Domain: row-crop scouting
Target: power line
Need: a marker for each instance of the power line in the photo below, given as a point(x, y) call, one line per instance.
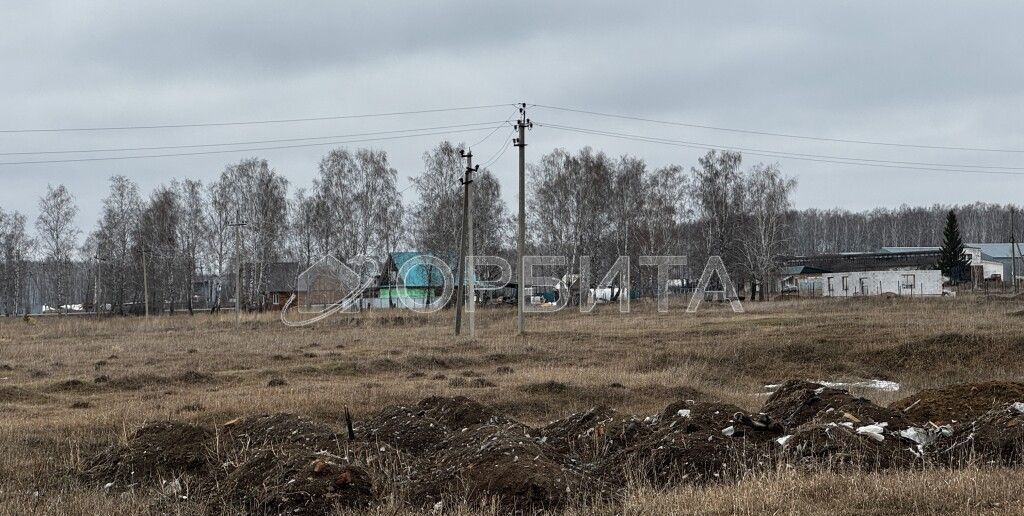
point(249, 149)
point(249, 122)
point(485, 138)
point(822, 156)
point(780, 135)
point(770, 154)
point(500, 152)
point(251, 142)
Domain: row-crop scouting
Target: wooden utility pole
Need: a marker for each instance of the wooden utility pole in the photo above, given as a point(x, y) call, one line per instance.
point(238, 224)
point(520, 142)
point(466, 246)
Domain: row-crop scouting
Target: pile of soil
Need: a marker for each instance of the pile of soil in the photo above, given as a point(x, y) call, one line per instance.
point(453, 447)
point(998, 434)
point(507, 462)
point(13, 394)
point(594, 433)
point(162, 450)
point(833, 444)
point(693, 442)
point(298, 481)
point(797, 402)
point(269, 430)
point(958, 403)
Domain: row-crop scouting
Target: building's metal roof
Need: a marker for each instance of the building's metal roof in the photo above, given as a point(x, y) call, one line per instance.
point(846, 262)
point(801, 269)
point(998, 250)
point(891, 249)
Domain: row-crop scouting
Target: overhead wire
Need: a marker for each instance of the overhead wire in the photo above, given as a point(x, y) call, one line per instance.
point(825, 156)
point(251, 122)
point(775, 134)
point(498, 153)
point(778, 154)
point(250, 142)
point(247, 149)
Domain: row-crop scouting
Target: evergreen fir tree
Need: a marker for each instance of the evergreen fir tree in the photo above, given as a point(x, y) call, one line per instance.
point(952, 261)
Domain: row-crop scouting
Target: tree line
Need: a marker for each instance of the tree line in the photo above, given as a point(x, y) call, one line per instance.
point(580, 204)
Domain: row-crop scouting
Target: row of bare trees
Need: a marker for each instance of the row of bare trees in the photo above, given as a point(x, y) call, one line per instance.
point(182, 242)
point(831, 231)
point(589, 204)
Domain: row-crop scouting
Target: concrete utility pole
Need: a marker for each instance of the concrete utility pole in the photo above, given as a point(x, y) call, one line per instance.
point(520, 142)
point(1013, 251)
point(466, 247)
point(471, 270)
point(96, 291)
point(145, 282)
point(238, 224)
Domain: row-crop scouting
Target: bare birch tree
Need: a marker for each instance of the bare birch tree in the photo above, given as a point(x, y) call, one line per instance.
point(58, 237)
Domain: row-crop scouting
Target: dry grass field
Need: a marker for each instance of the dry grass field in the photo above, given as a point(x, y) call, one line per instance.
point(70, 386)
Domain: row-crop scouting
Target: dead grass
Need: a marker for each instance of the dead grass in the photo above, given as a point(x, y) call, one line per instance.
point(120, 373)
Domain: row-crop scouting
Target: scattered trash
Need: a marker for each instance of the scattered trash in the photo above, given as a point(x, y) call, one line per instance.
point(881, 385)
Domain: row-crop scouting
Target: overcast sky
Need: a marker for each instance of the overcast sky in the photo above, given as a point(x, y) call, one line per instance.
point(933, 73)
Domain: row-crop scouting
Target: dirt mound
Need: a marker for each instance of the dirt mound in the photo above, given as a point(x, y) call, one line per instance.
point(695, 416)
point(453, 447)
point(673, 457)
point(848, 444)
point(159, 450)
point(964, 402)
point(73, 385)
point(270, 430)
point(694, 442)
point(797, 402)
point(460, 412)
point(999, 433)
point(298, 481)
point(594, 433)
point(409, 429)
point(504, 462)
point(13, 394)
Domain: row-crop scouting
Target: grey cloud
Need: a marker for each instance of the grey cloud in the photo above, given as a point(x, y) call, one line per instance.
point(908, 71)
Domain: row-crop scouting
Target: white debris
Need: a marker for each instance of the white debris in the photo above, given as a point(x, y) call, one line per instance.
point(925, 437)
point(438, 507)
point(683, 413)
point(881, 385)
point(728, 431)
point(872, 431)
point(1018, 406)
point(784, 439)
point(108, 485)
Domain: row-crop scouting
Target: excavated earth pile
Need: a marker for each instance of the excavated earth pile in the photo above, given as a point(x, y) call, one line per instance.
point(453, 448)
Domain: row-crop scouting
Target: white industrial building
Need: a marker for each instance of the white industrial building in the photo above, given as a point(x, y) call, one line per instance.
point(914, 282)
point(989, 262)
